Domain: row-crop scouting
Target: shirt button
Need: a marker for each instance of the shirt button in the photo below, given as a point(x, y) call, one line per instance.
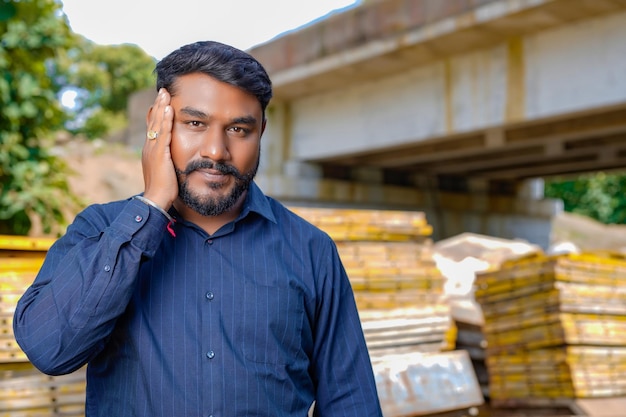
point(138, 218)
point(209, 241)
point(210, 354)
point(107, 268)
point(210, 296)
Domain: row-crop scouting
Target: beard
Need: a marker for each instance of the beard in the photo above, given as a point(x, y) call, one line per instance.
point(214, 206)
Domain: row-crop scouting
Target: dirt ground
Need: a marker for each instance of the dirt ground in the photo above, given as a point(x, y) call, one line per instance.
point(102, 171)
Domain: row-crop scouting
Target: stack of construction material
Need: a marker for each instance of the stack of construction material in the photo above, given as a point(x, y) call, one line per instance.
point(24, 391)
point(398, 288)
point(29, 393)
point(406, 320)
point(387, 254)
point(555, 328)
point(345, 225)
point(390, 274)
point(426, 329)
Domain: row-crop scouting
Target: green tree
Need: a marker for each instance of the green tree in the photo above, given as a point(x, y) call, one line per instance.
point(104, 76)
point(599, 195)
point(33, 180)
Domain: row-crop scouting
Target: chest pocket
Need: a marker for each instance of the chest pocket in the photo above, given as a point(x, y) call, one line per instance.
point(270, 326)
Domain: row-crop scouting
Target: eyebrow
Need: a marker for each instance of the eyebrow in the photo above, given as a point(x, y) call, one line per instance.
point(245, 120)
point(190, 111)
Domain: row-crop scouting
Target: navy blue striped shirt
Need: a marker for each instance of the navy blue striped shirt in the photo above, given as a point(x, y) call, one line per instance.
point(258, 319)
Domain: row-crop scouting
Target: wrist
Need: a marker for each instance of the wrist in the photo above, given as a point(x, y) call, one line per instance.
point(154, 204)
point(160, 201)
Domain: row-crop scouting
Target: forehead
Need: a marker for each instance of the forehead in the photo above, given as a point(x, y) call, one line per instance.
point(207, 93)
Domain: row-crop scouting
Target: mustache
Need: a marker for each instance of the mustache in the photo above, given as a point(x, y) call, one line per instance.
point(208, 164)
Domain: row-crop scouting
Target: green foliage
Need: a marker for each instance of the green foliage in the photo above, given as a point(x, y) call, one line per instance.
point(598, 195)
point(103, 122)
point(33, 181)
point(39, 58)
point(106, 75)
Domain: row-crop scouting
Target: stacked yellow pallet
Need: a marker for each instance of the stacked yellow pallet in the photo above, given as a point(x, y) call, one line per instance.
point(557, 373)
point(29, 393)
point(555, 327)
point(368, 225)
point(24, 391)
point(387, 274)
point(398, 288)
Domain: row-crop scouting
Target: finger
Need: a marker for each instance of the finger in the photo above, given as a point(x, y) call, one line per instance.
point(154, 120)
point(167, 123)
point(156, 158)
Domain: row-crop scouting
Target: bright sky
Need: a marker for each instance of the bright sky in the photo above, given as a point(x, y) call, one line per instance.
point(159, 27)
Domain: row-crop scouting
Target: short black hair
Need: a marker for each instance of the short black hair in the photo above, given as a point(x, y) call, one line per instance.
point(220, 61)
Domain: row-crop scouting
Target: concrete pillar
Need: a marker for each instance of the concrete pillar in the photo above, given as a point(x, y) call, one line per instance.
point(299, 169)
point(274, 143)
point(531, 189)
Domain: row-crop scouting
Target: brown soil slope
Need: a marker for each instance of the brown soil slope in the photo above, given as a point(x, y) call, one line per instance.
point(102, 171)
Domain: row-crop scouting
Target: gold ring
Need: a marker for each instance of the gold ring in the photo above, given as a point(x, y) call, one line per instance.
point(152, 134)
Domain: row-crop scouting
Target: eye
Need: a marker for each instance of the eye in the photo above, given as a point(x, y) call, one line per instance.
point(194, 123)
point(239, 131)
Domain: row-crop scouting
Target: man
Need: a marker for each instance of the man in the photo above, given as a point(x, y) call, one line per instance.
point(201, 297)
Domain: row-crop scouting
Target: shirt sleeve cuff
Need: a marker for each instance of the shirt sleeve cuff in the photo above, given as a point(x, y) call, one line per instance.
point(143, 224)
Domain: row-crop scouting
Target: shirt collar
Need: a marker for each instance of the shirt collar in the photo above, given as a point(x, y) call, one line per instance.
point(257, 202)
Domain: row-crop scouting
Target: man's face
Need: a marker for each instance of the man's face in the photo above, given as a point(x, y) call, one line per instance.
point(215, 142)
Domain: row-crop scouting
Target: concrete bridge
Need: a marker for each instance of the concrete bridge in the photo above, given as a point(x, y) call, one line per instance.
point(457, 108)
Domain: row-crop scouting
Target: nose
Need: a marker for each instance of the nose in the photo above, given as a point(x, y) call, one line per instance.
point(215, 145)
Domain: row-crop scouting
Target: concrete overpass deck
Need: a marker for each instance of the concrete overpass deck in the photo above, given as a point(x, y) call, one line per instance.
point(492, 89)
